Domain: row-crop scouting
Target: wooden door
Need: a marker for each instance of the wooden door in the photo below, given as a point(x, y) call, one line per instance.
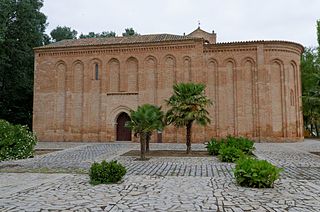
point(123, 133)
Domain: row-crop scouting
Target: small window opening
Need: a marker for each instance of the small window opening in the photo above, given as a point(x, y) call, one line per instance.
point(97, 71)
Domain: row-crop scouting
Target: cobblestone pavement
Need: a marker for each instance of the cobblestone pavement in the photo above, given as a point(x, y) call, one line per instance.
point(162, 184)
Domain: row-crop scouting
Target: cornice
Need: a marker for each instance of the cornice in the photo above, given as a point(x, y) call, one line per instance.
point(116, 49)
point(281, 46)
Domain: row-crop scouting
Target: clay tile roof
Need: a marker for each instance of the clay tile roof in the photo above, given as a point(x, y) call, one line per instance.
point(116, 40)
point(198, 30)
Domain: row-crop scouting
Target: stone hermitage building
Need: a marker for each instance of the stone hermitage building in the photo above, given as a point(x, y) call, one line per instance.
point(85, 88)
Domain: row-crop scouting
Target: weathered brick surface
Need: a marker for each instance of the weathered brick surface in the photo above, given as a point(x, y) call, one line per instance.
point(255, 87)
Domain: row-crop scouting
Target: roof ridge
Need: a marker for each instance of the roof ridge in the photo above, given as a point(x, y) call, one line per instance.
point(257, 41)
point(134, 39)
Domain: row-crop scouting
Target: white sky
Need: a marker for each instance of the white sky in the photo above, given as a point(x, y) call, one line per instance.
point(232, 20)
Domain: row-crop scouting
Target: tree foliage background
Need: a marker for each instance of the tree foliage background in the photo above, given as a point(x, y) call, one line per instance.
point(310, 77)
point(61, 33)
point(22, 27)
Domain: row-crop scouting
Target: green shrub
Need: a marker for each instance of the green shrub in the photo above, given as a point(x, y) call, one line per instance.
point(213, 146)
point(229, 153)
point(16, 141)
point(244, 144)
point(106, 173)
point(255, 173)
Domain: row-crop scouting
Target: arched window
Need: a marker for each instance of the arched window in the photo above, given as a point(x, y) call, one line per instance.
point(96, 71)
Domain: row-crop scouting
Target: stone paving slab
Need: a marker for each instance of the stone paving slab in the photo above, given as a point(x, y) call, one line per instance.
point(156, 193)
point(58, 145)
point(297, 163)
point(11, 183)
point(163, 184)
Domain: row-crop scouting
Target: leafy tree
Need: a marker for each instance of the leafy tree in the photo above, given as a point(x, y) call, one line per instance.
point(104, 34)
point(144, 120)
point(22, 27)
point(310, 78)
point(62, 33)
point(188, 105)
point(129, 32)
point(90, 35)
point(107, 34)
point(46, 39)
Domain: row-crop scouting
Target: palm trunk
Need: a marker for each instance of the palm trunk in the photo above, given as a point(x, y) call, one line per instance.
point(188, 137)
point(143, 146)
point(148, 141)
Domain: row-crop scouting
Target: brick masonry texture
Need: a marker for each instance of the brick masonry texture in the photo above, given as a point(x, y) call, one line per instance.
point(82, 86)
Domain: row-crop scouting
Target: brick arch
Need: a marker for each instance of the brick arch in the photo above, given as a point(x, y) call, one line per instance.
point(60, 96)
point(92, 68)
point(113, 115)
point(227, 104)
point(294, 115)
point(212, 88)
point(278, 115)
point(76, 114)
point(170, 56)
point(168, 74)
point(45, 77)
point(76, 62)
point(77, 76)
point(151, 57)
point(149, 81)
point(278, 61)
point(113, 75)
point(60, 62)
point(245, 101)
point(129, 76)
point(212, 60)
point(60, 83)
point(246, 59)
point(230, 60)
point(186, 75)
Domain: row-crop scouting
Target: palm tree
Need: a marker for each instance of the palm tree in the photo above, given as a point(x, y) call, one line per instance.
point(188, 104)
point(143, 121)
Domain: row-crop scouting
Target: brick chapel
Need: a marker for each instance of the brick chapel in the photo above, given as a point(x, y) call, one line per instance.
point(85, 88)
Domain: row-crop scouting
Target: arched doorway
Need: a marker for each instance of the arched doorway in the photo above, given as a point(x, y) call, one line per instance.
point(123, 133)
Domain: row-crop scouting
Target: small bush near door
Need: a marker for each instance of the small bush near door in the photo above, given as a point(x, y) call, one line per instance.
point(106, 172)
point(255, 173)
point(16, 141)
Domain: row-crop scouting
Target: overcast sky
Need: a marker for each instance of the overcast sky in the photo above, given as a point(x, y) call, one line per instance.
point(232, 20)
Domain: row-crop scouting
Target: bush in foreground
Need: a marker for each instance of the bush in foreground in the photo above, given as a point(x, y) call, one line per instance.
point(106, 172)
point(255, 173)
point(16, 141)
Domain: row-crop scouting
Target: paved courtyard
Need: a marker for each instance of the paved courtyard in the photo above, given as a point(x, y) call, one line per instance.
point(160, 184)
